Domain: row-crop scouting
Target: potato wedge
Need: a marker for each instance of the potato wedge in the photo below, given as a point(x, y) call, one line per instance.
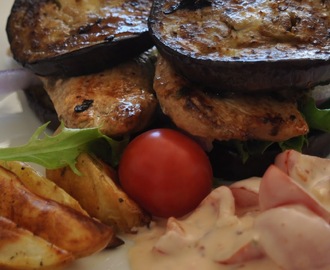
point(98, 193)
point(56, 223)
point(21, 249)
point(40, 185)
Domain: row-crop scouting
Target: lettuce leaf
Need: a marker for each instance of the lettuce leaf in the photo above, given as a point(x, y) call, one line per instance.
point(63, 148)
point(255, 147)
point(317, 118)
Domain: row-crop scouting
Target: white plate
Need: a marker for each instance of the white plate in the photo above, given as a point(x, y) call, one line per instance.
point(17, 124)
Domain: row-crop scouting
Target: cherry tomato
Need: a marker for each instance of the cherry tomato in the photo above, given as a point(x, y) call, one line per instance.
point(165, 172)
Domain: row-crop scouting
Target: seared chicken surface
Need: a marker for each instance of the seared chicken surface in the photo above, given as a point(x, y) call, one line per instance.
point(240, 117)
point(119, 100)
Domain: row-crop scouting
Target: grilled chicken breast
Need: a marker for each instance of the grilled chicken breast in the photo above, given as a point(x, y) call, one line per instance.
point(119, 100)
point(233, 116)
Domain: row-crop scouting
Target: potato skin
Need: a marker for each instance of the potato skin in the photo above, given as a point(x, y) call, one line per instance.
point(54, 222)
point(22, 250)
point(97, 192)
point(40, 185)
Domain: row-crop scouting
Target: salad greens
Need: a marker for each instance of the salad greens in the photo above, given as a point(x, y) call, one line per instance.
point(63, 148)
point(317, 118)
point(246, 149)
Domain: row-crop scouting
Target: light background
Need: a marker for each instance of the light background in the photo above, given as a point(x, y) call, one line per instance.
point(17, 124)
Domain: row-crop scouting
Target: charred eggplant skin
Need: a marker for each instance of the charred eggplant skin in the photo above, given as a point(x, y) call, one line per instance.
point(70, 38)
point(259, 45)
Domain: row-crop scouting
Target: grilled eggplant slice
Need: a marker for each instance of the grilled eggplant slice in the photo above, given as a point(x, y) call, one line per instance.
point(245, 45)
point(57, 37)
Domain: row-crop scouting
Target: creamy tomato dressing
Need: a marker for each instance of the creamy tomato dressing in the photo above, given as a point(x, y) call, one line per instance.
point(143, 258)
point(200, 241)
point(248, 225)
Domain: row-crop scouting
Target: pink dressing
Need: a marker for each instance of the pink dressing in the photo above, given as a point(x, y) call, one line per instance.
point(247, 225)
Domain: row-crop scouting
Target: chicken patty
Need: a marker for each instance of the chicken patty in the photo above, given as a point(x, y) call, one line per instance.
point(119, 100)
point(231, 116)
